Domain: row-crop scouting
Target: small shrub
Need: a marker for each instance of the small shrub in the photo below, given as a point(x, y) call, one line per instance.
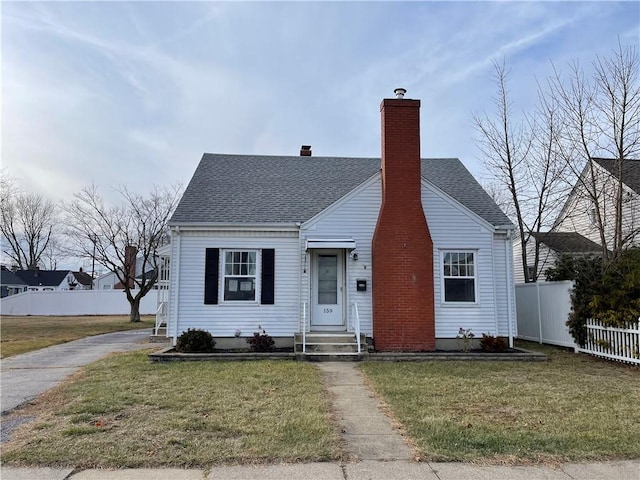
point(195, 340)
point(261, 342)
point(465, 339)
point(492, 344)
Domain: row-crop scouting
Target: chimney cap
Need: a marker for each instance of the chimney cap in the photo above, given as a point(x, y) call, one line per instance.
point(400, 92)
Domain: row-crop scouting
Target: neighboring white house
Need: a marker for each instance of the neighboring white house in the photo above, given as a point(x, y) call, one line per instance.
point(575, 231)
point(110, 281)
point(287, 244)
point(578, 213)
point(551, 245)
point(48, 280)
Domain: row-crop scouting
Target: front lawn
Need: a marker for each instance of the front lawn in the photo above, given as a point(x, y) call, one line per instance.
point(126, 412)
point(571, 408)
point(24, 334)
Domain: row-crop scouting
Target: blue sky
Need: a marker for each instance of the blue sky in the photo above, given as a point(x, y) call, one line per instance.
point(119, 93)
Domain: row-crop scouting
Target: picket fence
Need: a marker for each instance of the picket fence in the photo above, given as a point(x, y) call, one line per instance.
point(621, 344)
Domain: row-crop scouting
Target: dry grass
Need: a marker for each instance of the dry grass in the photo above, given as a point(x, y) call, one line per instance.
point(571, 408)
point(125, 411)
point(24, 334)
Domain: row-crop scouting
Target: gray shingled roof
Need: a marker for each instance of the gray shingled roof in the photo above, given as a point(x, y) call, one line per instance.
point(567, 242)
point(7, 277)
point(46, 278)
point(274, 189)
point(630, 171)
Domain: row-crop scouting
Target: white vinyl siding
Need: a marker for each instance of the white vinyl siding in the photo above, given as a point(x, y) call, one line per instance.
point(186, 304)
point(355, 216)
point(453, 228)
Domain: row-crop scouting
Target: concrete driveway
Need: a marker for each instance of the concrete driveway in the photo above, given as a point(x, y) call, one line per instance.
point(26, 376)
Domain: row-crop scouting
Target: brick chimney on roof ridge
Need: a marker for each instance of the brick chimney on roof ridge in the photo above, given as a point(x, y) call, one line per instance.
point(402, 249)
point(305, 151)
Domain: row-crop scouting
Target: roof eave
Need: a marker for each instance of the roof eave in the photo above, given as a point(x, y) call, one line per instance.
point(289, 226)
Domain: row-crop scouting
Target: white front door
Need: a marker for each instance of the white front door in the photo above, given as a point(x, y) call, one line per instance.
point(327, 290)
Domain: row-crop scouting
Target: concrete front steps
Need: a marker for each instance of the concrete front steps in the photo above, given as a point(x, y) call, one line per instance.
point(330, 347)
point(161, 337)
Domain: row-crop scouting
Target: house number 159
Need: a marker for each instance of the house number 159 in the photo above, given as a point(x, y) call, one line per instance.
point(328, 310)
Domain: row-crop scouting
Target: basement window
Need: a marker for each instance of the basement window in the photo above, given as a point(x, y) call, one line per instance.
point(459, 276)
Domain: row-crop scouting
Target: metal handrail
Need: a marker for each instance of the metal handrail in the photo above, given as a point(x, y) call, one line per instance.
point(304, 327)
point(356, 324)
point(161, 317)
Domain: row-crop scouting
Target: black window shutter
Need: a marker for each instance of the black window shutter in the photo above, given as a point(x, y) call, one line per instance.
point(268, 276)
point(211, 267)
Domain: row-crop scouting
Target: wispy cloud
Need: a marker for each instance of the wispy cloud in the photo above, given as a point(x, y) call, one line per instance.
point(136, 92)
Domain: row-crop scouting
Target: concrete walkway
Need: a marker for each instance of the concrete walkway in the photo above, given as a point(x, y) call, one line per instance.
point(367, 432)
point(376, 449)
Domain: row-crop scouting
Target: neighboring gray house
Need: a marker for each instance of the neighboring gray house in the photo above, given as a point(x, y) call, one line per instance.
point(294, 245)
point(10, 283)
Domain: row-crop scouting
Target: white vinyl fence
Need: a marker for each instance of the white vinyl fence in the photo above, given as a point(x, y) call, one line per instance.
point(543, 310)
point(76, 302)
point(621, 344)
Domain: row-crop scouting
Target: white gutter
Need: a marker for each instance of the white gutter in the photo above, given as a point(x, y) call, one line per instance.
point(176, 262)
point(287, 227)
point(300, 274)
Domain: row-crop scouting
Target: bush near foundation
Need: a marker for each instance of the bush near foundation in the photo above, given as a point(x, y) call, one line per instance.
point(195, 340)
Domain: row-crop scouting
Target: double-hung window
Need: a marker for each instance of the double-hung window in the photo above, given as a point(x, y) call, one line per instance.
point(459, 276)
point(240, 275)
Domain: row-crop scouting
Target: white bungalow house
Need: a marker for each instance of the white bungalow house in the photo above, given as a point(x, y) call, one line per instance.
point(401, 250)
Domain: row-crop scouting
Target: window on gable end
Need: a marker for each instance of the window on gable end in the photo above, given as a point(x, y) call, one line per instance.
point(459, 276)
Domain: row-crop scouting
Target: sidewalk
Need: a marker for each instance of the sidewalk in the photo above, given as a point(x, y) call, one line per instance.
point(364, 470)
point(375, 448)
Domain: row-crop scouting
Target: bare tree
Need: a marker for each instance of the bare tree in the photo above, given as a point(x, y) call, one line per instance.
point(601, 118)
point(121, 236)
point(519, 156)
point(27, 224)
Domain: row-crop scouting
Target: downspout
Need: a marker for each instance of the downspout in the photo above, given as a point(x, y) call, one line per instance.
point(177, 280)
point(298, 224)
point(496, 313)
point(508, 259)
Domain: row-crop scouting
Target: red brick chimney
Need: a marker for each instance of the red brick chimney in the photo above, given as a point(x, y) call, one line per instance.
point(130, 254)
point(403, 298)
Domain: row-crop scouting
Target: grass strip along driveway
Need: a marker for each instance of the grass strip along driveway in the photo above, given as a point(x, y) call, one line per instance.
point(25, 334)
point(125, 411)
point(571, 408)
